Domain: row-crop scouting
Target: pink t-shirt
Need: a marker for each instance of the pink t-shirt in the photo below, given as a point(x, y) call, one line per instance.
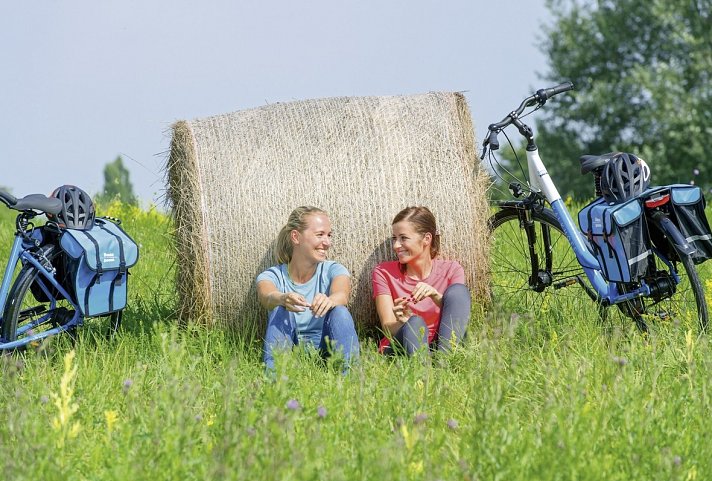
point(388, 279)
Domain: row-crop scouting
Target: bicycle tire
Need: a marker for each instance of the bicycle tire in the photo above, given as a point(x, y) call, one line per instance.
point(511, 266)
point(23, 309)
point(688, 304)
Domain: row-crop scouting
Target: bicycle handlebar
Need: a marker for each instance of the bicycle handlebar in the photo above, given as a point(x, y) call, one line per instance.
point(544, 94)
point(7, 199)
point(538, 99)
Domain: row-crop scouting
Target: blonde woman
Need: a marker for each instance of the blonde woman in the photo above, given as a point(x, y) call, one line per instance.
point(306, 294)
point(421, 300)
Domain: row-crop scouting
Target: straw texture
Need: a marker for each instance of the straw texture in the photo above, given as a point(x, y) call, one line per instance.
point(233, 180)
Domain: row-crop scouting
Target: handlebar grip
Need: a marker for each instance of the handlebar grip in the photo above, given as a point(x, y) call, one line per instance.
point(545, 94)
point(7, 199)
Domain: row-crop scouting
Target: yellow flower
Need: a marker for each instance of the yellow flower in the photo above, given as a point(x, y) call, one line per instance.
point(408, 438)
point(111, 418)
point(62, 422)
point(416, 468)
point(692, 474)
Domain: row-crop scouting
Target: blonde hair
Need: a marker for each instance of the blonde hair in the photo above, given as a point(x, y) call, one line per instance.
point(424, 222)
point(297, 221)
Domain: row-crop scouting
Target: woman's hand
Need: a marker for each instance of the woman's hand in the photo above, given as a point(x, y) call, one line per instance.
point(294, 302)
point(321, 305)
point(401, 310)
point(423, 290)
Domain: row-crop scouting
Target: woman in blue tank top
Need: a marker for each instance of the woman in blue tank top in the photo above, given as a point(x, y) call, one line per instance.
point(306, 294)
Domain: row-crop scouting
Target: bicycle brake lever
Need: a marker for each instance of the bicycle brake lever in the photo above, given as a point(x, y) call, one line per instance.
point(492, 140)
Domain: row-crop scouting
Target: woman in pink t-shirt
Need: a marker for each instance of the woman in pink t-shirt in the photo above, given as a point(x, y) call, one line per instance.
point(420, 300)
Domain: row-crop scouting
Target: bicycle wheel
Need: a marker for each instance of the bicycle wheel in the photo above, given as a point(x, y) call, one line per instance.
point(29, 311)
point(687, 304)
point(539, 277)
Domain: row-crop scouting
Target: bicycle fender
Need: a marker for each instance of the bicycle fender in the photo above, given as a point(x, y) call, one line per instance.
point(671, 230)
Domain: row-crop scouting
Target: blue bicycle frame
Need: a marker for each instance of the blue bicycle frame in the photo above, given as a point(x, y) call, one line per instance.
point(540, 181)
point(19, 253)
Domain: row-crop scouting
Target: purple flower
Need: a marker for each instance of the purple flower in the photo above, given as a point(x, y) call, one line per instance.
point(677, 460)
point(44, 400)
point(293, 405)
point(321, 412)
point(621, 361)
point(420, 418)
point(127, 385)
point(452, 424)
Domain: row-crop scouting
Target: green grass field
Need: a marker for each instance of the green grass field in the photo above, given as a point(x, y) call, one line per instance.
point(536, 395)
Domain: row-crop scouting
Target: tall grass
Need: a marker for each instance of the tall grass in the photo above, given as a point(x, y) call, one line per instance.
point(532, 396)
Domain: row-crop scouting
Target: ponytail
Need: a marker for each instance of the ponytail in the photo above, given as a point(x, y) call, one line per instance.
point(297, 221)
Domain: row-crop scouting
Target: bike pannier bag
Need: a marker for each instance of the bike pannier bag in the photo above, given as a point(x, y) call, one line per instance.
point(40, 237)
point(98, 263)
point(618, 236)
point(688, 212)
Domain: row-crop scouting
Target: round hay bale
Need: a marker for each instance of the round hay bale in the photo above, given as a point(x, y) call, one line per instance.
point(233, 179)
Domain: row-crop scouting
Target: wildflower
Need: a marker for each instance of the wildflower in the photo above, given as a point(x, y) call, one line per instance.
point(111, 418)
point(452, 424)
point(198, 417)
point(293, 405)
point(321, 412)
point(695, 171)
point(677, 460)
point(408, 438)
point(251, 432)
point(420, 418)
point(621, 361)
point(415, 467)
point(66, 407)
point(44, 400)
point(127, 385)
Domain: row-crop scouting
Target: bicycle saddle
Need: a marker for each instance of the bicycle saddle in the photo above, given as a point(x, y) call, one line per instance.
point(50, 205)
point(593, 162)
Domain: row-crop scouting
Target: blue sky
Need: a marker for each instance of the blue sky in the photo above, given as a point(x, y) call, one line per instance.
point(84, 81)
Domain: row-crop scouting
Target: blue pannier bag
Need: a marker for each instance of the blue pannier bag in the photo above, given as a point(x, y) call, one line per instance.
point(619, 238)
point(98, 261)
point(688, 210)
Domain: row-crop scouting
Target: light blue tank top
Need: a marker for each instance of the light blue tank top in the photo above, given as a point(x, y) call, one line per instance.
point(309, 327)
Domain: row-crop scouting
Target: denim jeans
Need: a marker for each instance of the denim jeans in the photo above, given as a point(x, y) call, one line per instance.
point(454, 316)
point(338, 334)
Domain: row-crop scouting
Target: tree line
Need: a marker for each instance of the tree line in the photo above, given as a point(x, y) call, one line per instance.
point(642, 71)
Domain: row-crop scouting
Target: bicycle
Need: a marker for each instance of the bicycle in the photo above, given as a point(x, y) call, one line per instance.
point(539, 256)
point(42, 299)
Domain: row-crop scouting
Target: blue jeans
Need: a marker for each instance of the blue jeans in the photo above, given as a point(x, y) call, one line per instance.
point(454, 316)
point(338, 334)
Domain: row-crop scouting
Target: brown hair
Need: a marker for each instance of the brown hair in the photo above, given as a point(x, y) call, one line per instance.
point(424, 221)
point(297, 221)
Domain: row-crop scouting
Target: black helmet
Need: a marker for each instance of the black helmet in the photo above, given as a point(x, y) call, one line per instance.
point(77, 208)
point(624, 177)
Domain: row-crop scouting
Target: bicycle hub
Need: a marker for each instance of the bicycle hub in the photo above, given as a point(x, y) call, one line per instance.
point(661, 286)
point(541, 281)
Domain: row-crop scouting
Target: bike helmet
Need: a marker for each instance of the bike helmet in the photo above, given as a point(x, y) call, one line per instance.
point(624, 177)
point(77, 208)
